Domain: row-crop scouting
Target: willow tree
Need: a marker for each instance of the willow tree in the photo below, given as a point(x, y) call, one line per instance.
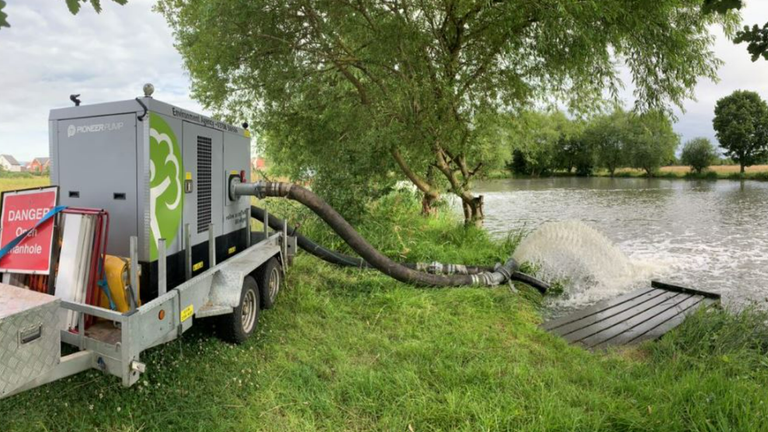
point(405, 80)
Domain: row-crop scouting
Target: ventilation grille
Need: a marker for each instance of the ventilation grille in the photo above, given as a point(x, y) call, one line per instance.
point(203, 183)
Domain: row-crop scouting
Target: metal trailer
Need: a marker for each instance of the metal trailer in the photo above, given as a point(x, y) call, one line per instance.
point(202, 272)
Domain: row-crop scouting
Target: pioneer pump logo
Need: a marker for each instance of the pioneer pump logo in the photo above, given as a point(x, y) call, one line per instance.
point(73, 130)
point(166, 193)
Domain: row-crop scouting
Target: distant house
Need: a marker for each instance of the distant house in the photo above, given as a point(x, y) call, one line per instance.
point(258, 163)
point(39, 165)
point(9, 163)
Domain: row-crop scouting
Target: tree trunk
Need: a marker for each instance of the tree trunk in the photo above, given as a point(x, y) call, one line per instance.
point(742, 168)
point(428, 204)
point(472, 205)
point(473, 212)
point(431, 194)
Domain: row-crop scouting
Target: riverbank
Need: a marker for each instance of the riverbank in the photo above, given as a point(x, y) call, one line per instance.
point(346, 349)
point(717, 172)
point(729, 172)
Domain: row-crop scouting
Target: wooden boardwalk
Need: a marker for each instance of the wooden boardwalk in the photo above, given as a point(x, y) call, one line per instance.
point(641, 315)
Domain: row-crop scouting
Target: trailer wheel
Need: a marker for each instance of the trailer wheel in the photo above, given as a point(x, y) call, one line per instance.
point(238, 326)
point(270, 277)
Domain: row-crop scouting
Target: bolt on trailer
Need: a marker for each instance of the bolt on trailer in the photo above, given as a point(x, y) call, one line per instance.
point(149, 241)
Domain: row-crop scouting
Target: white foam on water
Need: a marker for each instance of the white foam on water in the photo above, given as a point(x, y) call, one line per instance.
point(591, 267)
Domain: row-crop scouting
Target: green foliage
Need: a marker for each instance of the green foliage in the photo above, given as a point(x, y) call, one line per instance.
point(347, 174)
point(741, 123)
point(651, 141)
point(721, 6)
point(607, 134)
point(708, 175)
point(519, 164)
point(698, 153)
point(757, 40)
point(3, 15)
point(75, 5)
point(573, 150)
point(544, 143)
point(535, 139)
point(414, 79)
point(755, 36)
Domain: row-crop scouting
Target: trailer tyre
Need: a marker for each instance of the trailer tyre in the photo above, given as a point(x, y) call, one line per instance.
point(270, 277)
point(238, 326)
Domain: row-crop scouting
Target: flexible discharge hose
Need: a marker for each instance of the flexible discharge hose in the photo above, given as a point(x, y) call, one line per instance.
point(337, 258)
point(340, 259)
point(499, 275)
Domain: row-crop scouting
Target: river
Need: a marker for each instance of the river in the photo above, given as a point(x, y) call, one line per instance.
point(710, 235)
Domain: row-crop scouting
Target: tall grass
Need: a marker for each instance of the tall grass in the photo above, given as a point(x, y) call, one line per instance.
point(715, 172)
point(13, 183)
point(346, 349)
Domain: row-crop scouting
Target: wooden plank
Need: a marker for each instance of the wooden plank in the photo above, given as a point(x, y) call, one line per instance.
point(647, 319)
point(616, 319)
point(609, 315)
point(649, 332)
point(682, 289)
point(596, 308)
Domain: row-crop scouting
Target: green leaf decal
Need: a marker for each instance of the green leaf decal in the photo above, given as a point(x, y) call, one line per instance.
point(166, 193)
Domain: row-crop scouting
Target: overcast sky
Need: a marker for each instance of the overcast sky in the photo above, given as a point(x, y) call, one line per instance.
point(49, 54)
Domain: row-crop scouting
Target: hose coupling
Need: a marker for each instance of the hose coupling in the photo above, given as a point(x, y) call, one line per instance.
point(508, 269)
point(238, 189)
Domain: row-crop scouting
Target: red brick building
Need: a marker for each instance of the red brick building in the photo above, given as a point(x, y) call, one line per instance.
point(39, 165)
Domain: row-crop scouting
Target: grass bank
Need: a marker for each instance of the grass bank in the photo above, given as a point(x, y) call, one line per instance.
point(12, 183)
point(716, 172)
point(353, 350)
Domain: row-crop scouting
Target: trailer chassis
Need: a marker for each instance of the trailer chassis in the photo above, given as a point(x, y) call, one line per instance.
point(115, 344)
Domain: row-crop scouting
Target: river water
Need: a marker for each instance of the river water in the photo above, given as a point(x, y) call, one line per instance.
point(710, 235)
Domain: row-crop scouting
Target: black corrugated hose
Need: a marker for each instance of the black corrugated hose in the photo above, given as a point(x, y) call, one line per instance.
point(433, 274)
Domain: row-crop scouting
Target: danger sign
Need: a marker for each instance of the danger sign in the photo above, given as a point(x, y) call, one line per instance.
point(22, 211)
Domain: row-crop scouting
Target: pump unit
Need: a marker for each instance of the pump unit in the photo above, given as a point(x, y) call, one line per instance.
point(160, 171)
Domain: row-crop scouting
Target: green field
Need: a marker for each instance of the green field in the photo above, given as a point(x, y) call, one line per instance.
point(353, 350)
point(13, 183)
point(715, 172)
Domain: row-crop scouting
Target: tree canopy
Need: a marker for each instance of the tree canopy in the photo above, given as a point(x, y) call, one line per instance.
point(607, 134)
point(407, 81)
point(651, 141)
point(698, 153)
point(741, 124)
point(542, 142)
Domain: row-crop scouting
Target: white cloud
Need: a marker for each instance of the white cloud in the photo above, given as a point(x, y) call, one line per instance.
point(49, 54)
point(737, 73)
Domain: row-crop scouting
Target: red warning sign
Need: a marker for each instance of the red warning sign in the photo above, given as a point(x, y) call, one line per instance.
point(21, 211)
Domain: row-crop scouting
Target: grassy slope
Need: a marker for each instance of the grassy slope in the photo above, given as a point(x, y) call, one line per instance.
point(347, 349)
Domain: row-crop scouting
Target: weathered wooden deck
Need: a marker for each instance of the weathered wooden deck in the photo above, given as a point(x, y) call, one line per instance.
point(641, 315)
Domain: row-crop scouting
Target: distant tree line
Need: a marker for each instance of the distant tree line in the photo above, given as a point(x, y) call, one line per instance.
point(545, 142)
point(541, 143)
